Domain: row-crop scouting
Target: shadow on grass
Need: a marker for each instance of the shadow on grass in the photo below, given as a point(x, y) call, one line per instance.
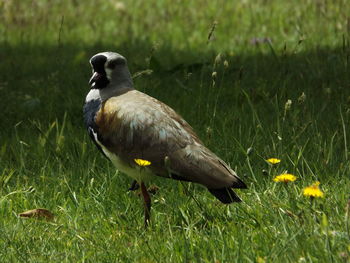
point(42, 83)
point(45, 81)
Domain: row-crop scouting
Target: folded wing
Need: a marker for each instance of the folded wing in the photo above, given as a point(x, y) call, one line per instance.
point(135, 125)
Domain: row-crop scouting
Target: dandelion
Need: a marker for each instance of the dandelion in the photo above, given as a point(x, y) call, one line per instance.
point(141, 162)
point(285, 178)
point(273, 161)
point(313, 190)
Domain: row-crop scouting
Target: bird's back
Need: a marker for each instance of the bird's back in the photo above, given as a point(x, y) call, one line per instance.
point(135, 125)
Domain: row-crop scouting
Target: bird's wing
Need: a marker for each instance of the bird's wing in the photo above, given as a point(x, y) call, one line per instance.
point(202, 166)
point(136, 126)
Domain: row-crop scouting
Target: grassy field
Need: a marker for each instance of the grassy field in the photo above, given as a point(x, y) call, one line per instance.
point(229, 68)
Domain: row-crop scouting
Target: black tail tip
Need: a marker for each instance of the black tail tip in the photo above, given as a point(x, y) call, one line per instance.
point(225, 195)
point(239, 184)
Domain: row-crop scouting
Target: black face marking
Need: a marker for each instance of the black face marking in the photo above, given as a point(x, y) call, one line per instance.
point(98, 64)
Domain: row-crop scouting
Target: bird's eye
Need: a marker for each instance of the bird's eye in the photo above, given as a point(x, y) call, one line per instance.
point(113, 63)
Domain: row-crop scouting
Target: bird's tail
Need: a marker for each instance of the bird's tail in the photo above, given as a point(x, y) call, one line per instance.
point(225, 195)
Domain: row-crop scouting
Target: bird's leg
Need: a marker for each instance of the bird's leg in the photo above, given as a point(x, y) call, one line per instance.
point(134, 186)
point(147, 203)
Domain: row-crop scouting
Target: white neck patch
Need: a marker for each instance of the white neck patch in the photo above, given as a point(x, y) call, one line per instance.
point(108, 73)
point(94, 94)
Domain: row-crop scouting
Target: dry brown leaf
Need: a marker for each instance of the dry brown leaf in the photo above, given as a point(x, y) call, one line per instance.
point(38, 213)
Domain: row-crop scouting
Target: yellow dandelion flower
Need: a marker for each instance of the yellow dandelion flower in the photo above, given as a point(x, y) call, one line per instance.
point(142, 162)
point(273, 161)
point(285, 178)
point(313, 190)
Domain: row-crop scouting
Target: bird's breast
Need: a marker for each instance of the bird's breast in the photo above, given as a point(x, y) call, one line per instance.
point(140, 174)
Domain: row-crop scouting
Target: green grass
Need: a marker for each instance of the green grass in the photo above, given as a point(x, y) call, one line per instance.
point(47, 160)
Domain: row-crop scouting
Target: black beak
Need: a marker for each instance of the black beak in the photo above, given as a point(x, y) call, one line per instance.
point(98, 80)
point(95, 77)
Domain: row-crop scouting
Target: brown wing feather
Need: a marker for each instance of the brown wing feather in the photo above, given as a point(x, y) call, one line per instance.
point(135, 125)
point(204, 167)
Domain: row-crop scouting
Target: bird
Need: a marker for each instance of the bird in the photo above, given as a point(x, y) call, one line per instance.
point(145, 138)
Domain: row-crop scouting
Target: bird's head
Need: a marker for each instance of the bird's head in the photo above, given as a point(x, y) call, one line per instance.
point(109, 69)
